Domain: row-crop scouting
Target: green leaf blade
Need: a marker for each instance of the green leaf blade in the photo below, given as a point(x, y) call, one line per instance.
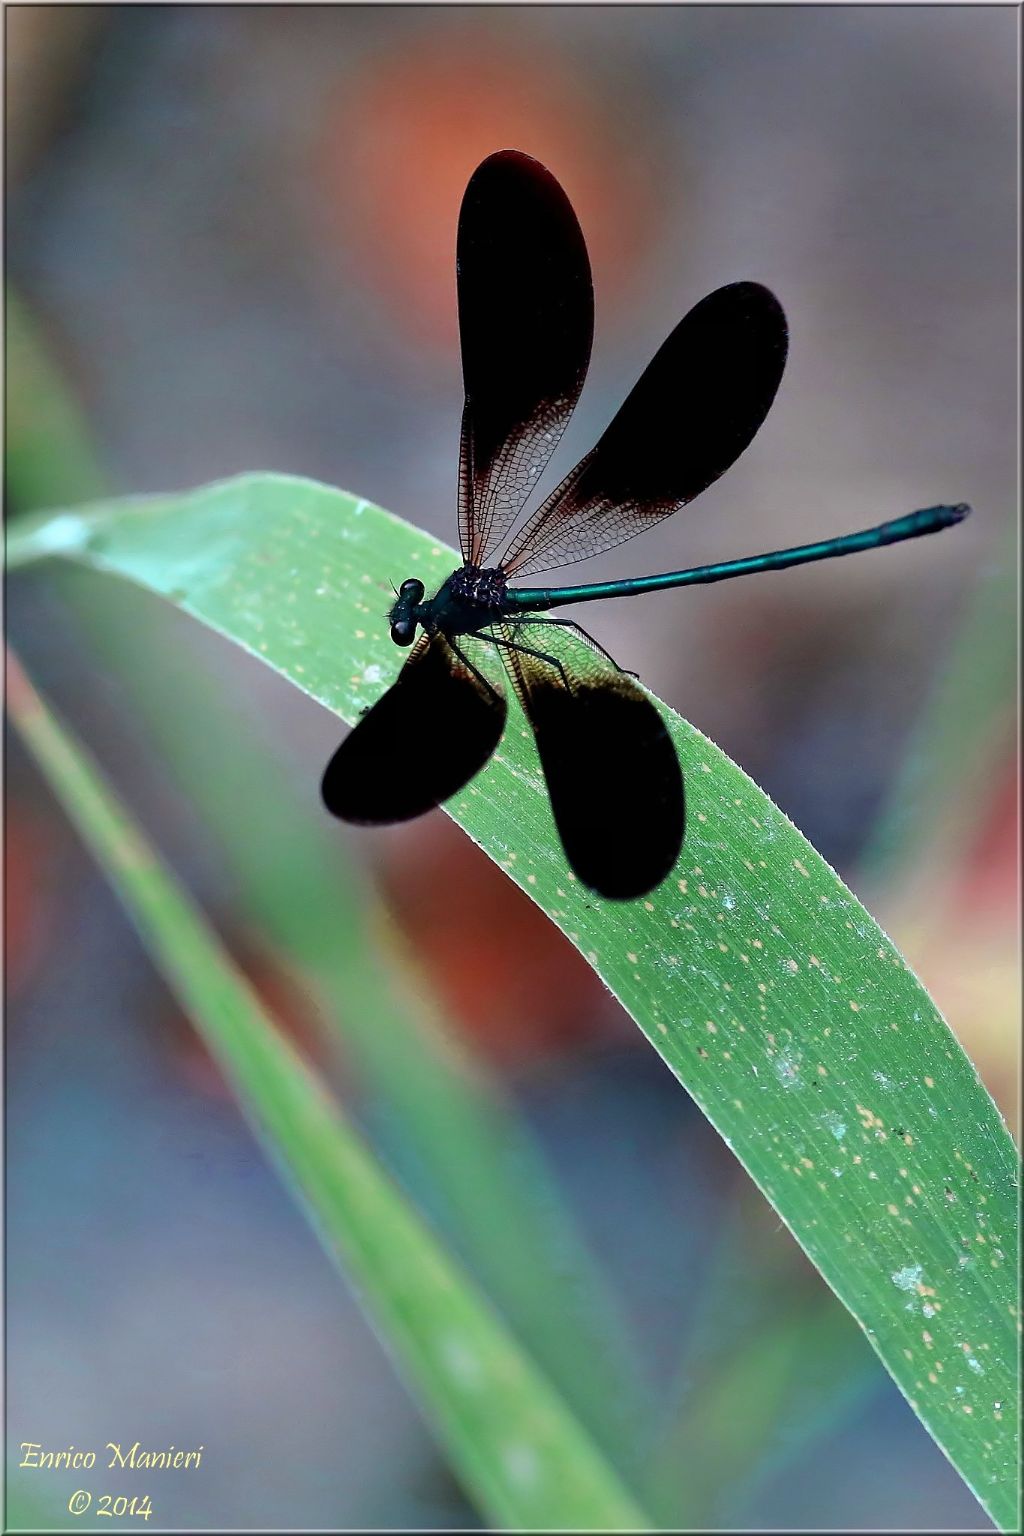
point(761, 980)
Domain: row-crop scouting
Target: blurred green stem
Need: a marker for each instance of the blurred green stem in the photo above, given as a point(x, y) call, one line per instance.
point(405, 1279)
point(764, 1373)
point(49, 461)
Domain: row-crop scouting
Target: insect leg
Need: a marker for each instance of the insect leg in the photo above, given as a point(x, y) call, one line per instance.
point(475, 670)
point(526, 650)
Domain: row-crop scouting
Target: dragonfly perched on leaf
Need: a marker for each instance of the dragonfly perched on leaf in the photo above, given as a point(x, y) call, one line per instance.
point(526, 316)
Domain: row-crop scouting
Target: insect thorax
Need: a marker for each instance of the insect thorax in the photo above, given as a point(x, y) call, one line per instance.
point(481, 588)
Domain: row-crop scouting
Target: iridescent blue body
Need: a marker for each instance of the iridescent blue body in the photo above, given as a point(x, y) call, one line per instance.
point(472, 599)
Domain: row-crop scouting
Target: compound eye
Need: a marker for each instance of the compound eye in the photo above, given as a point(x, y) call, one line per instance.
point(403, 631)
point(412, 589)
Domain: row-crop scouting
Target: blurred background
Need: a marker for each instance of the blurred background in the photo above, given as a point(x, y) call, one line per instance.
point(231, 247)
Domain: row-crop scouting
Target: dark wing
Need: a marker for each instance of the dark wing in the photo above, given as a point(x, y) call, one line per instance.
point(421, 742)
point(611, 767)
point(689, 416)
point(526, 320)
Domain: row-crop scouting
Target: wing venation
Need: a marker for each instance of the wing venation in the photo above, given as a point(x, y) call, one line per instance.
point(612, 771)
point(691, 414)
point(526, 320)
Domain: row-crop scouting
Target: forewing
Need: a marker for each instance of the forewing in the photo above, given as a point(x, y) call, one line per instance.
point(420, 743)
point(526, 321)
point(690, 415)
point(611, 768)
